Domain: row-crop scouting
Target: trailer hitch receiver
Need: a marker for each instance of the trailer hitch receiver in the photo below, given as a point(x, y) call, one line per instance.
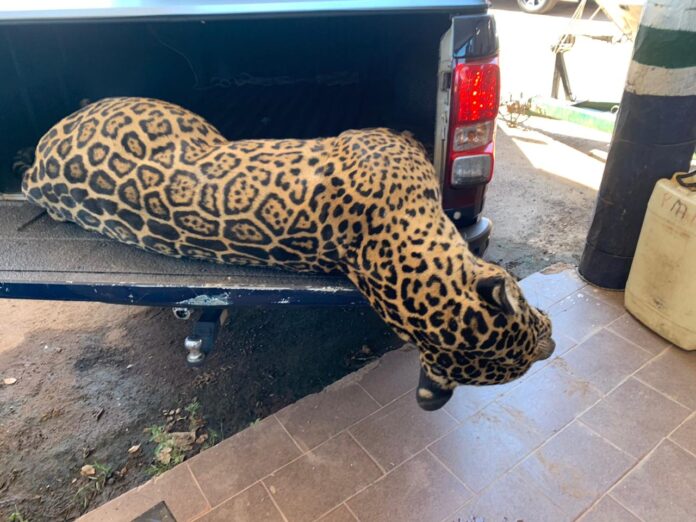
point(202, 340)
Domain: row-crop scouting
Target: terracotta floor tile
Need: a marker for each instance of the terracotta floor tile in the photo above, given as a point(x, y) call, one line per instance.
point(252, 505)
point(661, 488)
point(486, 445)
point(318, 417)
point(608, 510)
point(550, 399)
point(400, 430)
point(563, 344)
point(176, 488)
point(512, 498)
point(340, 514)
point(575, 468)
point(685, 436)
point(395, 374)
point(635, 417)
point(612, 297)
point(418, 490)
point(535, 298)
point(629, 327)
point(237, 462)
point(579, 315)
point(673, 373)
point(468, 400)
point(605, 359)
point(552, 285)
point(159, 512)
point(322, 479)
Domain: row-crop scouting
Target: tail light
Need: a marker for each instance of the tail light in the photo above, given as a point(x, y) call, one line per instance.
point(474, 107)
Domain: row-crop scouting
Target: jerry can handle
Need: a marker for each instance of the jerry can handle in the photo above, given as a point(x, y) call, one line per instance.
point(686, 180)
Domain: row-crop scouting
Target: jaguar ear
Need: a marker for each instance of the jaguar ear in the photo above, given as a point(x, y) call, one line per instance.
point(496, 292)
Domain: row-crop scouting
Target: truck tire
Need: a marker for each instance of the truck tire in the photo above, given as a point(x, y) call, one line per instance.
point(536, 6)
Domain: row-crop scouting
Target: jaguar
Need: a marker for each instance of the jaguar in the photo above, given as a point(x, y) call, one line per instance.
point(365, 203)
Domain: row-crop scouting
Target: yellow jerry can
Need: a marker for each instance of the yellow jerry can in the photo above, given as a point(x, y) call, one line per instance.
point(661, 287)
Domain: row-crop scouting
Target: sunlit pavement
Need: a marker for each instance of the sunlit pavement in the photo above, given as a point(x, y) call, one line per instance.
point(547, 171)
point(563, 150)
point(597, 69)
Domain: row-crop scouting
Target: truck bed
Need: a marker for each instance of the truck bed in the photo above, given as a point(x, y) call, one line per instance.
point(44, 259)
point(254, 69)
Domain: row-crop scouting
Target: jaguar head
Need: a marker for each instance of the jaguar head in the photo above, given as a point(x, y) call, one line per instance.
point(499, 335)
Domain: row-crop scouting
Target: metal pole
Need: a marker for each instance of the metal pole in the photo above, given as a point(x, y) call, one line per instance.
point(654, 137)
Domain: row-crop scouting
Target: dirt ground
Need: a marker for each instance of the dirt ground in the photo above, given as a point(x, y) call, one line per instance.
point(91, 377)
point(540, 217)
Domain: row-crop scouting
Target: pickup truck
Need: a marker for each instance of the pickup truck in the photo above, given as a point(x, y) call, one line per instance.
point(254, 69)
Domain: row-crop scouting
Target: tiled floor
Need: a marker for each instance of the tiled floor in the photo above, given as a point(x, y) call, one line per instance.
point(605, 431)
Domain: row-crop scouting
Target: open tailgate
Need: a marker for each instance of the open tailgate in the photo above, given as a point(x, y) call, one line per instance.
point(43, 259)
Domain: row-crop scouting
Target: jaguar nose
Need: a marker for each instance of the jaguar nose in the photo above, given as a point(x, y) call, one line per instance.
point(430, 395)
point(545, 349)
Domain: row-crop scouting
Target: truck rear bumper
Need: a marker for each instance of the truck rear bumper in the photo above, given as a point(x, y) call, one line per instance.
point(476, 235)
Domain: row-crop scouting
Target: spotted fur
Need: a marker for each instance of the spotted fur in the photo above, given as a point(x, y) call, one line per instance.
point(365, 203)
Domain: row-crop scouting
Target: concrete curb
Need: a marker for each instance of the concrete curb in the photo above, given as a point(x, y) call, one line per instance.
point(594, 119)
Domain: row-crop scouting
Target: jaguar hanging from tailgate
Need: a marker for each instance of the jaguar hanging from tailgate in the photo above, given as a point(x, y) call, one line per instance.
point(365, 203)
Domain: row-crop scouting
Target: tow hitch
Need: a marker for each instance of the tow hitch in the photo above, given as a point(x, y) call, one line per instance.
point(205, 331)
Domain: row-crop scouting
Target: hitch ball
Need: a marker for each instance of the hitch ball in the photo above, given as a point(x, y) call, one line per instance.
point(194, 347)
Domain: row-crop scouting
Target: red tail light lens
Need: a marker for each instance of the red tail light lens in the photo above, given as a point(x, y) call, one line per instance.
point(476, 92)
point(475, 100)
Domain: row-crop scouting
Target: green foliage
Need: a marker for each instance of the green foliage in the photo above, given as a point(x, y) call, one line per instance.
point(94, 485)
point(16, 516)
point(167, 453)
point(193, 408)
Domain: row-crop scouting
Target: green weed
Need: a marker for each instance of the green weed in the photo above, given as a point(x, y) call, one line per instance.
point(94, 485)
point(16, 516)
